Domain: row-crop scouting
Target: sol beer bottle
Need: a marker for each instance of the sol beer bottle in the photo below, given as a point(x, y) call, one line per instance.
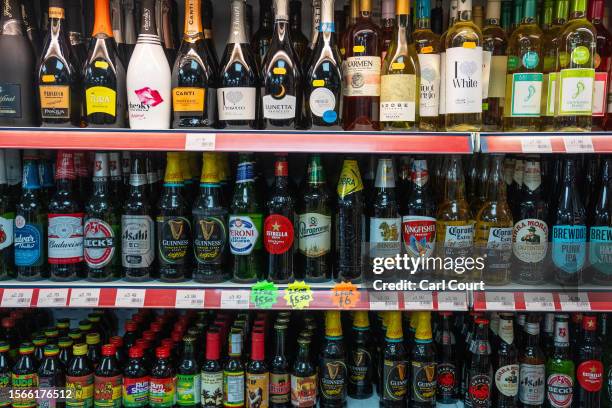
point(332, 366)
point(480, 371)
point(560, 367)
point(395, 374)
point(506, 365)
point(589, 370)
point(532, 369)
point(423, 363)
point(360, 358)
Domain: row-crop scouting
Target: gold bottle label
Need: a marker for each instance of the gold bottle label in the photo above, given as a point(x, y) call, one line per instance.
point(55, 101)
point(188, 99)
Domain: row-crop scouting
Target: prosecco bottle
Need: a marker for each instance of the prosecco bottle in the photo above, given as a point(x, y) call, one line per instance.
point(263, 36)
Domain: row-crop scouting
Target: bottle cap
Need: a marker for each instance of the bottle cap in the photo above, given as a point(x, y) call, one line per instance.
point(116, 341)
point(168, 343)
point(26, 348)
point(4, 347)
point(281, 167)
point(135, 352)
point(108, 350)
point(65, 166)
point(589, 323)
point(148, 335)
point(361, 320)
point(62, 324)
point(142, 343)
point(39, 341)
point(51, 350)
point(257, 346)
point(7, 322)
point(93, 317)
point(130, 325)
point(51, 332)
point(84, 325)
point(162, 352)
point(75, 334)
point(173, 169)
point(176, 336)
point(65, 342)
point(79, 349)
point(333, 327)
point(92, 338)
point(481, 320)
point(156, 327)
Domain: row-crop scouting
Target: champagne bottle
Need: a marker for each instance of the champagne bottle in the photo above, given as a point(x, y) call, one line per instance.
point(129, 36)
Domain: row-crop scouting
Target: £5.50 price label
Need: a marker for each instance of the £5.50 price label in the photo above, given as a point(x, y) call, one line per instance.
point(130, 297)
point(575, 302)
point(298, 295)
point(345, 295)
point(419, 300)
point(84, 297)
point(500, 301)
point(264, 294)
point(189, 299)
point(383, 300)
point(52, 298)
point(539, 301)
point(16, 298)
point(235, 299)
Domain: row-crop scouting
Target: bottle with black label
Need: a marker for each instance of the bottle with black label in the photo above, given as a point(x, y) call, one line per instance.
point(532, 369)
point(447, 369)
point(423, 363)
point(479, 381)
point(360, 362)
point(506, 365)
point(51, 376)
point(394, 378)
point(333, 379)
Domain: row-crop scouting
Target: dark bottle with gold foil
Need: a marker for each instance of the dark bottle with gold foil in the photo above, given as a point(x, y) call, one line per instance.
point(332, 364)
point(173, 226)
point(360, 363)
point(423, 363)
point(395, 375)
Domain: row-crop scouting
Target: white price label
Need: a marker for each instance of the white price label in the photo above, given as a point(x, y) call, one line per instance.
point(130, 297)
point(17, 298)
point(189, 299)
point(418, 301)
point(500, 301)
point(84, 297)
point(532, 144)
point(52, 298)
point(383, 301)
point(200, 141)
point(578, 144)
point(452, 300)
point(575, 302)
point(539, 302)
point(235, 299)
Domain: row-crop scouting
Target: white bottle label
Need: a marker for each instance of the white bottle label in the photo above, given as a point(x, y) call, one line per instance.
point(532, 384)
point(442, 103)
point(430, 84)
point(486, 73)
point(322, 103)
point(398, 98)
point(279, 108)
point(464, 80)
point(243, 234)
point(550, 95)
point(314, 234)
point(137, 250)
point(362, 76)
point(65, 241)
point(419, 235)
point(576, 91)
point(236, 103)
point(500, 239)
point(459, 236)
point(526, 94)
point(385, 237)
point(6, 231)
point(506, 380)
point(600, 96)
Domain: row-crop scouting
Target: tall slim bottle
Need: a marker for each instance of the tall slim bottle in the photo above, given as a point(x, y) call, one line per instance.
point(74, 20)
point(130, 35)
point(298, 39)
point(447, 369)
point(560, 370)
point(589, 367)
point(315, 26)
point(532, 369)
point(603, 64)
point(31, 26)
point(600, 228)
point(280, 381)
point(423, 364)
point(479, 372)
point(360, 362)
point(261, 40)
point(394, 380)
point(7, 222)
point(387, 24)
point(506, 365)
point(495, 42)
point(452, 16)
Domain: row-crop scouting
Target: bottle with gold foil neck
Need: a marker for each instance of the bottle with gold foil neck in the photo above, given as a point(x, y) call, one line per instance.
point(173, 231)
point(188, 186)
point(209, 220)
point(395, 373)
point(333, 376)
point(423, 363)
point(360, 362)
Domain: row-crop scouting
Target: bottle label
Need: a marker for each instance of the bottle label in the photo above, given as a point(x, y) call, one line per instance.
point(146, 105)
point(80, 390)
point(600, 249)
point(233, 389)
point(499, 239)
point(463, 80)
point(398, 98)
point(212, 389)
point(65, 240)
point(600, 94)
point(210, 239)
point(447, 380)
point(135, 392)
point(590, 375)
point(257, 390)
point(385, 237)
point(236, 103)
point(173, 240)
point(430, 85)
point(137, 250)
point(107, 391)
point(479, 390)
point(101, 99)
point(362, 76)
point(5, 389)
point(188, 389)
point(360, 364)
point(7, 221)
point(576, 91)
point(459, 236)
point(280, 388)
point(188, 99)
point(161, 392)
point(303, 391)
point(54, 101)
point(314, 234)
point(100, 243)
point(532, 384)
point(419, 234)
point(569, 247)
point(442, 105)
point(333, 381)
point(497, 84)
point(322, 104)
point(507, 380)
point(10, 100)
point(24, 382)
point(526, 91)
point(28, 243)
point(278, 106)
point(244, 233)
point(530, 240)
point(278, 234)
point(395, 380)
point(560, 390)
point(486, 73)
point(551, 96)
point(423, 382)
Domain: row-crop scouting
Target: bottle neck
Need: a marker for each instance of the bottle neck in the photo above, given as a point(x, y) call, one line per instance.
point(295, 16)
point(533, 334)
point(267, 15)
point(147, 21)
point(493, 12)
point(423, 14)
point(237, 26)
point(496, 189)
point(31, 175)
point(464, 10)
point(57, 17)
point(561, 12)
point(304, 352)
point(529, 12)
point(454, 188)
point(547, 16)
point(327, 24)
point(279, 343)
point(365, 9)
point(578, 10)
point(102, 23)
point(193, 21)
point(315, 24)
point(596, 11)
point(402, 16)
point(452, 14)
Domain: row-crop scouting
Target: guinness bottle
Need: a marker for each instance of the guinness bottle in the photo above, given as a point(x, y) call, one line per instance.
point(394, 375)
point(360, 364)
point(480, 370)
point(332, 365)
point(560, 369)
point(506, 365)
point(423, 363)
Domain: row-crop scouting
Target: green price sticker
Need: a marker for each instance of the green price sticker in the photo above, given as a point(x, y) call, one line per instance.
point(513, 62)
point(264, 294)
point(298, 295)
point(581, 55)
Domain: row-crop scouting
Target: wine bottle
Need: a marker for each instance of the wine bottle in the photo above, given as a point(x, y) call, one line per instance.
point(194, 93)
point(74, 19)
point(129, 36)
point(238, 96)
point(104, 75)
point(165, 29)
point(494, 42)
point(148, 77)
point(299, 40)
point(17, 72)
point(57, 78)
point(263, 36)
point(324, 76)
point(314, 33)
point(452, 17)
point(29, 19)
point(116, 16)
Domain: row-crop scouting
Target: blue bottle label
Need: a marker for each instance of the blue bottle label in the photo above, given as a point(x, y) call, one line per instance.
point(600, 249)
point(28, 243)
point(569, 247)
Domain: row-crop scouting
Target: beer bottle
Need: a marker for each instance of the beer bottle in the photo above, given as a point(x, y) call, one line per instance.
point(447, 369)
point(30, 224)
point(569, 230)
point(385, 221)
point(7, 219)
point(79, 378)
point(135, 388)
point(280, 382)
point(233, 372)
point(162, 385)
point(530, 233)
point(349, 223)
point(137, 233)
point(245, 225)
point(303, 377)
point(51, 376)
point(126, 161)
point(560, 367)
point(188, 191)
point(39, 342)
point(360, 358)
point(332, 364)
point(314, 224)
point(24, 378)
point(482, 183)
point(394, 378)
point(209, 225)
point(212, 371)
point(94, 349)
point(548, 334)
point(600, 233)
point(5, 375)
point(102, 258)
point(423, 363)
point(479, 373)
point(589, 369)
point(108, 379)
point(13, 165)
point(454, 227)
point(188, 380)
point(46, 167)
point(506, 365)
point(494, 227)
point(419, 213)
point(116, 177)
point(532, 369)
point(278, 226)
point(65, 350)
point(83, 177)
point(514, 190)
point(65, 229)
point(257, 375)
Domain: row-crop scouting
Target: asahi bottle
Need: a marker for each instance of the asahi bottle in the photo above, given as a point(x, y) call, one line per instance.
point(395, 376)
point(506, 365)
point(333, 379)
point(600, 233)
point(560, 370)
point(532, 369)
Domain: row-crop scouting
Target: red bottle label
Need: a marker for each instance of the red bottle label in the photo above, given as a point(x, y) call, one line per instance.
point(560, 390)
point(278, 234)
point(107, 391)
point(419, 234)
point(590, 375)
point(480, 390)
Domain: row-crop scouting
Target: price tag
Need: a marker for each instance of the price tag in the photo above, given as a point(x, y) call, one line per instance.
point(84, 297)
point(539, 302)
point(298, 295)
point(52, 297)
point(200, 141)
point(578, 144)
point(130, 297)
point(531, 144)
point(384, 301)
point(500, 301)
point(16, 298)
point(345, 295)
point(452, 300)
point(189, 299)
point(264, 294)
point(575, 302)
point(235, 299)
point(418, 301)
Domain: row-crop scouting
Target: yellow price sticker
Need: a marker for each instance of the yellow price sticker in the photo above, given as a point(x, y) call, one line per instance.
point(427, 50)
point(359, 48)
point(279, 71)
point(398, 65)
point(101, 64)
point(48, 78)
point(345, 295)
point(469, 44)
point(318, 82)
point(298, 295)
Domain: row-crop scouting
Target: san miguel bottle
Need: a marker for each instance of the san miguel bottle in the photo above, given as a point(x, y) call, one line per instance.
point(212, 372)
point(394, 379)
point(149, 77)
point(162, 383)
point(17, 95)
point(532, 368)
point(447, 367)
point(24, 377)
point(233, 372)
point(80, 379)
point(560, 370)
point(51, 375)
point(600, 232)
point(257, 374)
point(108, 380)
point(194, 93)
point(135, 386)
point(479, 380)
point(65, 228)
point(589, 368)
point(423, 363)
point(333, 373)
point(360, 363)
point(506, 365)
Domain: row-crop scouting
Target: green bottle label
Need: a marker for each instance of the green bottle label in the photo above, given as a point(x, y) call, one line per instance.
point(188, 389)
point(576, 91)
point(526, 94)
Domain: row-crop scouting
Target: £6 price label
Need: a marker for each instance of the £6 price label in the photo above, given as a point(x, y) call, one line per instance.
point(235, 299)
point(130, 297)
point(539, 301)
point(419, 300)
point(298, 295)
point(84, 297)
point(575, 302)
point(52, 298)
point(189, 299)
point(345, 295)
point(383, 301)
point(17, 298)
point(500, 301)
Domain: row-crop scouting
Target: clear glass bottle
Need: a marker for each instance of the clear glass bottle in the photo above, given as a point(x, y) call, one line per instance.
point(495, 42)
